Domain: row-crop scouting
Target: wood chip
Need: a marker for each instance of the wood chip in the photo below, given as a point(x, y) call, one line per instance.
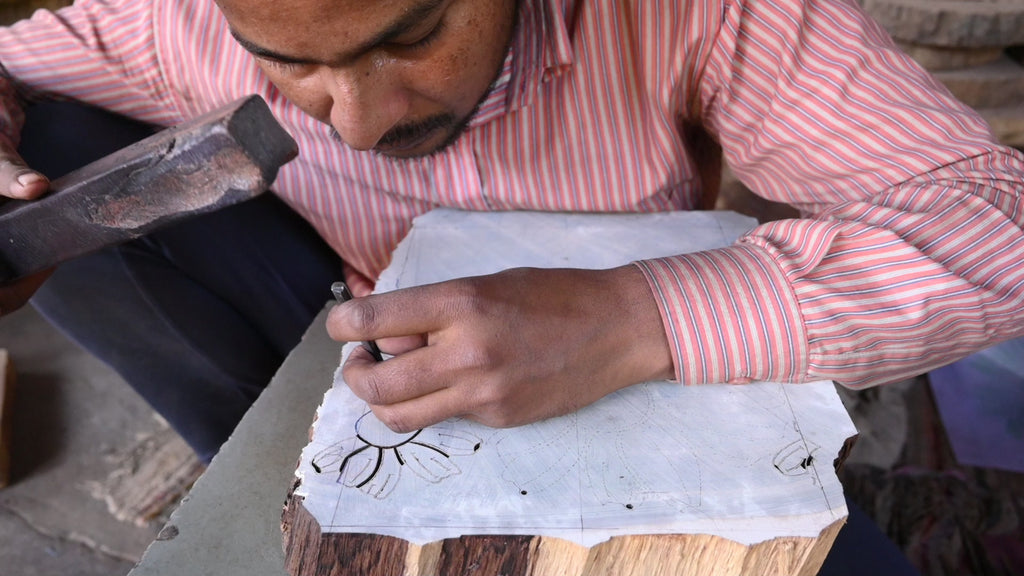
point(150, 478)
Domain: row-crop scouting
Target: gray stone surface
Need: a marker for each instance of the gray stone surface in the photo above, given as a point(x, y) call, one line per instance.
point(951, 23)
point(27, 552)
point(936, 58)
point(230, 523)
point(72, 414)
point(995, 85)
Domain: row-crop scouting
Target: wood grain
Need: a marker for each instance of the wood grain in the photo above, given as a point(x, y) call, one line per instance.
point(308, 552)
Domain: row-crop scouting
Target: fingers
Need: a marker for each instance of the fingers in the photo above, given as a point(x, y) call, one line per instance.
point(406, 312)
point(421, 412)
point(401, 344)
point(504, 349)
point(18, 180)
point(412, 391)
point(399, 379)
point(357, 282)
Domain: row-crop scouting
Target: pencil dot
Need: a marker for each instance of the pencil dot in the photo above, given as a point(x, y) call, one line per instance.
point(523, 492)
point(629, 506)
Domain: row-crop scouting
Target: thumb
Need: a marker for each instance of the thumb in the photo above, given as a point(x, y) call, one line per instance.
point(17, 180)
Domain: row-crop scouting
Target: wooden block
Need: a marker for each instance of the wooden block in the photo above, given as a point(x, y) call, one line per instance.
point(308, 552)
point(215, 160)
point(6, 415)
point(654, 479)
point(951, 23)
point(150, 477)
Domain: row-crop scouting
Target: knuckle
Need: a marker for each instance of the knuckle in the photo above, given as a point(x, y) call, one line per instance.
point(498, 418)
point(394, 420)
point(490, 397)
point(372, 391)
point(480, 359)
point(364, 384)
point(469, 297)
point(362, 316)
point(501, 420)
point(493, 399)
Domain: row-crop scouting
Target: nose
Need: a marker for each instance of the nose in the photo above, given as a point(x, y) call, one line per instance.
point(366, 103)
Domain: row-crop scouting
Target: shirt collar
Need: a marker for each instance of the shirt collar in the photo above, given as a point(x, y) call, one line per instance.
point(541, 49)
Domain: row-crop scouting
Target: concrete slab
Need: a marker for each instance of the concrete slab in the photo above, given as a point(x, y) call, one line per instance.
point(951, 23)
point(230, 523)
point(27, 552)
point(71, 415)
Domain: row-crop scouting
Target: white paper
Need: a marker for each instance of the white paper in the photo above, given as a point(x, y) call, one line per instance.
point(748, 463)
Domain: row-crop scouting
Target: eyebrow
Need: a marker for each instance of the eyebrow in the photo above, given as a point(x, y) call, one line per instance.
point(402, 25)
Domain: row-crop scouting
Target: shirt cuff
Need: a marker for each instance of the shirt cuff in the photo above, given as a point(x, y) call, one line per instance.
point(730, 316)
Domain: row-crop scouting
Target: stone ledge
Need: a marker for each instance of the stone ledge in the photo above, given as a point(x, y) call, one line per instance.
point(951, 23)
point(937, 58)
point(1007, 124)
point(999, 84)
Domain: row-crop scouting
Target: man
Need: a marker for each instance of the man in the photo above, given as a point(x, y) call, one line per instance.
point(908, 257)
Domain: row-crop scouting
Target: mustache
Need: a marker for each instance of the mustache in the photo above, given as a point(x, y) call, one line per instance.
point(408, 132)
point(412, 132)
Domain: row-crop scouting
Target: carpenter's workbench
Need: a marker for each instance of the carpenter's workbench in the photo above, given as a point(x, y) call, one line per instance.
point(230, 522)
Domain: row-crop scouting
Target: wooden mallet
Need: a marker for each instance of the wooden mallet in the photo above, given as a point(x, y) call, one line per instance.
point(213, 161)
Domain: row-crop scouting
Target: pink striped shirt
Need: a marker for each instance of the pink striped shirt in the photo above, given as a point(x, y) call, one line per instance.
point(911, 250)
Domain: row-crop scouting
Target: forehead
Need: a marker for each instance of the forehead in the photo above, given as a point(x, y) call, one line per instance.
point(305, 25)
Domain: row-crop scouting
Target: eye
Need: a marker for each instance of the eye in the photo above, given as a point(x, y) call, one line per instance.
point(282, 66)
point(424, 40)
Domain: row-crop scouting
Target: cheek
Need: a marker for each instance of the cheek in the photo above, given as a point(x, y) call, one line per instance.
point(455, 81)
point(308, 93)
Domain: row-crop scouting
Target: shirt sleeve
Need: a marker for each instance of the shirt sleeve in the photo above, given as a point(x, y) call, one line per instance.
point(11, 116)
point(910, 249)
point(99, 52)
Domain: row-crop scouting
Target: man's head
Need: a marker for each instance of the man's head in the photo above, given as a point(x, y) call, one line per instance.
point(401, 77)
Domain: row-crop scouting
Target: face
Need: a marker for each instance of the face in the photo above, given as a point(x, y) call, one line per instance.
point(399, 77)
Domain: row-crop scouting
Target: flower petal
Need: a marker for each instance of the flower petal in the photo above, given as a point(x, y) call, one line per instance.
point(359, 466)
point(427, 461)
point(385, 476)
point(450, 441)
point(327, 459)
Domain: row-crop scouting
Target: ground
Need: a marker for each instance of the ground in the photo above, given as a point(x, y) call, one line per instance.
point(73, 421)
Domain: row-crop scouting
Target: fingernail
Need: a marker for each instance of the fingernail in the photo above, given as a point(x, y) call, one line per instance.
point(28, 178)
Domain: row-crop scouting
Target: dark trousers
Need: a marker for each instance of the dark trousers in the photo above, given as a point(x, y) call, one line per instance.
point(197, 317)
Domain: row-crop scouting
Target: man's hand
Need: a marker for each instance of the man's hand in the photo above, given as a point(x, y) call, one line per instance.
point(505, 349)
point(19, 181)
